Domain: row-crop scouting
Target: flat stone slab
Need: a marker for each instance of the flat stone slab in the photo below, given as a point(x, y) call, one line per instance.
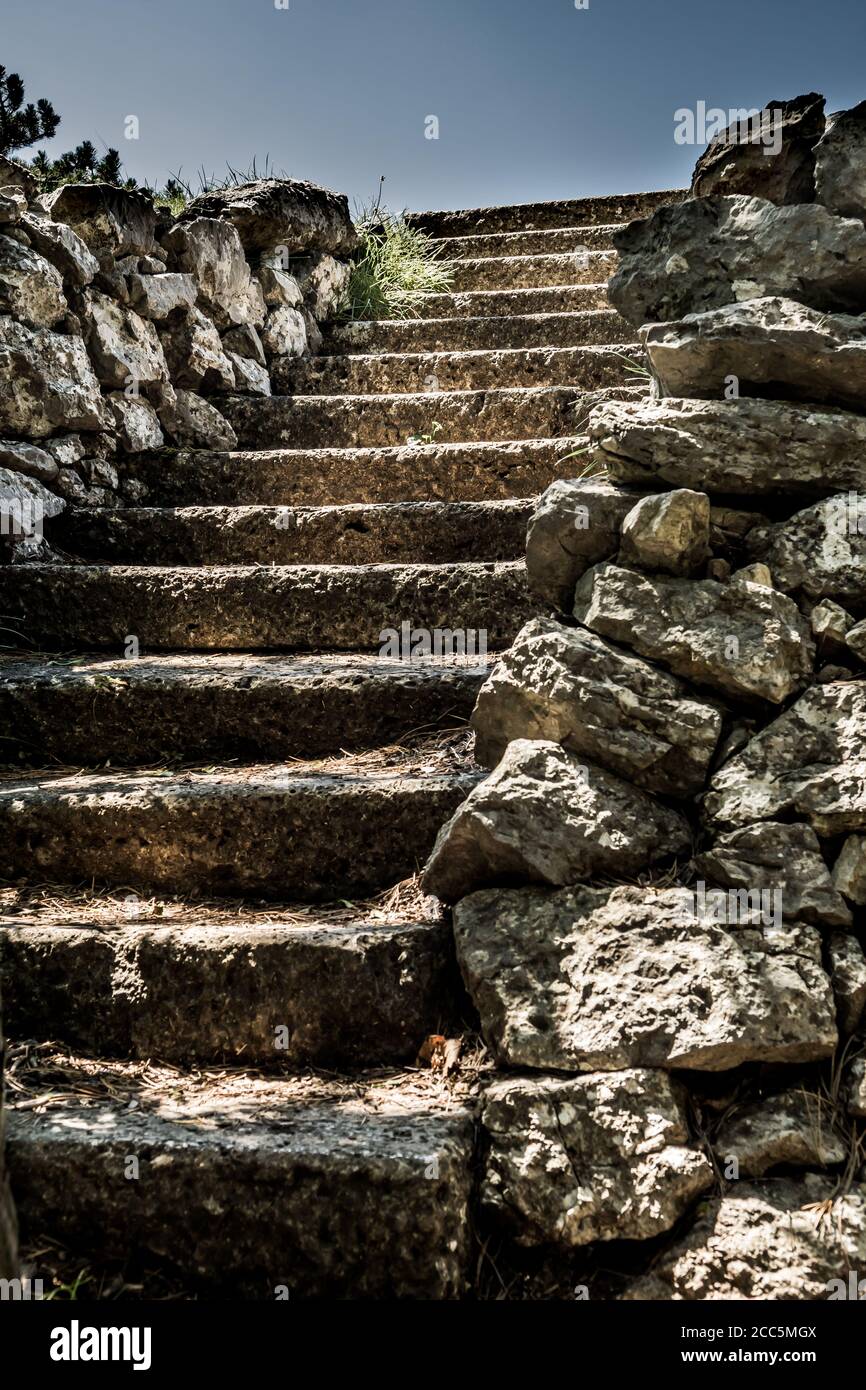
point(594, 979)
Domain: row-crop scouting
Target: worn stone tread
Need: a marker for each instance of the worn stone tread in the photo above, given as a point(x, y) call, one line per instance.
point(563, 329)
point(531, 272)
point(569, 212)
point(544, 299)
point(536, 242)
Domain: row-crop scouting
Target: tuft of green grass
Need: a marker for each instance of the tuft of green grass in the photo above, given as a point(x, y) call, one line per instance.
point(395, 270)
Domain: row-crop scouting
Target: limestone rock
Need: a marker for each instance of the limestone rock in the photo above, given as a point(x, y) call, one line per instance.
point(30, 288)
point(25, 503)
point(840, 164)
point(849, 871)
point(598, 1157)
point(323, 285)
point(13, 205)
point(793, 1128)
point(46, 383)
point(819, 552)
point(848, 975)
point(62, 246)
point(855, 640)
point(115, 221)
point(855, 1088)
point(194, 352)
point(567, 685)
point(194, 423)
point(278, 287)
point(574, 525)
point(138, 427)
point(809, 763)
point(289, 213)
point(157, 296)
point(740, 639)
point(599, 979)
point(245, 341)
point(768, 157)
point(16, 175)
point(669, 531)
point(830, 626)
point(765, 1241)
point(740, 447)
point(546, 817)
point(124, 347)
point(210, 251)
point(284, 333)
point(770, 855)
point(772, 346)
point(28, 459)
point(250, 378)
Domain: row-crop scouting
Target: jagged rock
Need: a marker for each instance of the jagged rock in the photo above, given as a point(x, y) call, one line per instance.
point(599, 979)
point(278, 287)
point(194, 423)
point(124, 347)
point(794, 1128)
point(250, 378)
point(210, 251)
point(756, 573)
point(25, 503)
point(15, 175)
point(67, 450)
point(30, 288)
point(738, 638)
point(770, 157)
point(13, 205)
point(669, 531)
point(323, 285)
point(574, 525)
point(157, 296)
point(848, 976)
point(112, 221)
point(830, 626)
point(819, 552)
point(567, 685)
point(855, 1088)
point(285, 333)
point(598, 1157)
point(194, 352)
point(546, 817)
point(245, 341)
point(855, 640)
point(771, 855)
point(28, 459)
point(289, 213)
point(138, 427)
point(62, 246)
point(698, 255)
point(739, 447)
point(809, 763)
point(849, 871)
point(765, 1241)
point(772, 346)
point(46, 383)
point(840, 164)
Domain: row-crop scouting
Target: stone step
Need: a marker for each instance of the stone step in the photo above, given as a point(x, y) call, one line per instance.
point(548, 241)
point(532, 272)
point(580, 329)
point(589, 368)
point(444, 417)
point(355, 534)
point(232, 705)
point(256, 608)
point(551, 299)
point(261, 1187)
point(319, 477)
point(280, 831)
point(571, 212)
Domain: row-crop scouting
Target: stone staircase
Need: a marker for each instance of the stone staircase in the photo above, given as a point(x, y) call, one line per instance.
point(207, 929)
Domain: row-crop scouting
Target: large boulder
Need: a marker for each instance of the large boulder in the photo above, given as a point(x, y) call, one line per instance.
point(110, 221)
point(767, 1241)
point(667, 531)
point(63, 247)
point(819, 552)
point(742, 447)
point(599, 979)
point(575, 524)
point(779, 857)
point(30, 288)
point(124, 347)
point(194, 352)
point(794, 1128)
point(698, 255)
point(740, 639)
point(47, 383)
point(840, 164)
point(195, 423)
point(567, 685)
point(771, 347)
point(545, 817)
point(289, 213)
point(809, 763)
point(210, 251)
point(157, 296)
point(599, 1157)
point(771, 156)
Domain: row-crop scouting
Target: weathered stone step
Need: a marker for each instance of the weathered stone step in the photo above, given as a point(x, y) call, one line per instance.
point(532, 272)
point(548, 241)
point(444, 417)
point(589, 368)
point(256, 608)
point(291, 831)
point(319, 477)
point(357, 534)
point(571, 212)
point(263, 1187)
point(232, 705)
point(551, 299)
point(459, 334)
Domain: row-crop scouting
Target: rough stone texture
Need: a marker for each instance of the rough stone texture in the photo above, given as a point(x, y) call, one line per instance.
point(210, 251)
point(250, 377)
point(830, 626)
point(855, 1088)
point(195, 423)
point(849, 871)
point(794, 1128)
point(770, 855)
point(595, 979)
point(245, 341)
point(848, 974)
point(278, 287)
point(741, 447)
point(840, 164)
point(819, 552)
point(61, 246)
point(28, 459)
point(774, 347)
point(124, 346)
point(736, 161)
point(13, 205)
point(323, 285)
point(113, 221)
point(545, 817)
point(567, 685)
point(259, 1187)
point(194, 352)
point(137, 423)
point(669, 531)
point(765, 1241)
point(273, 213)
point(284, 333)
point(741, 639)
point(8, 1221)
point(25, 504)
point(16, 175)
point(157, 296)
point(30, 288)
point(809, 763)
point(47, 383)
point(598, 1157)
point(701, 254)
point(575, 524)
point(855, 641)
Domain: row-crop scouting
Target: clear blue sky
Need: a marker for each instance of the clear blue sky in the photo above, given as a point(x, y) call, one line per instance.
point(535, 98)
